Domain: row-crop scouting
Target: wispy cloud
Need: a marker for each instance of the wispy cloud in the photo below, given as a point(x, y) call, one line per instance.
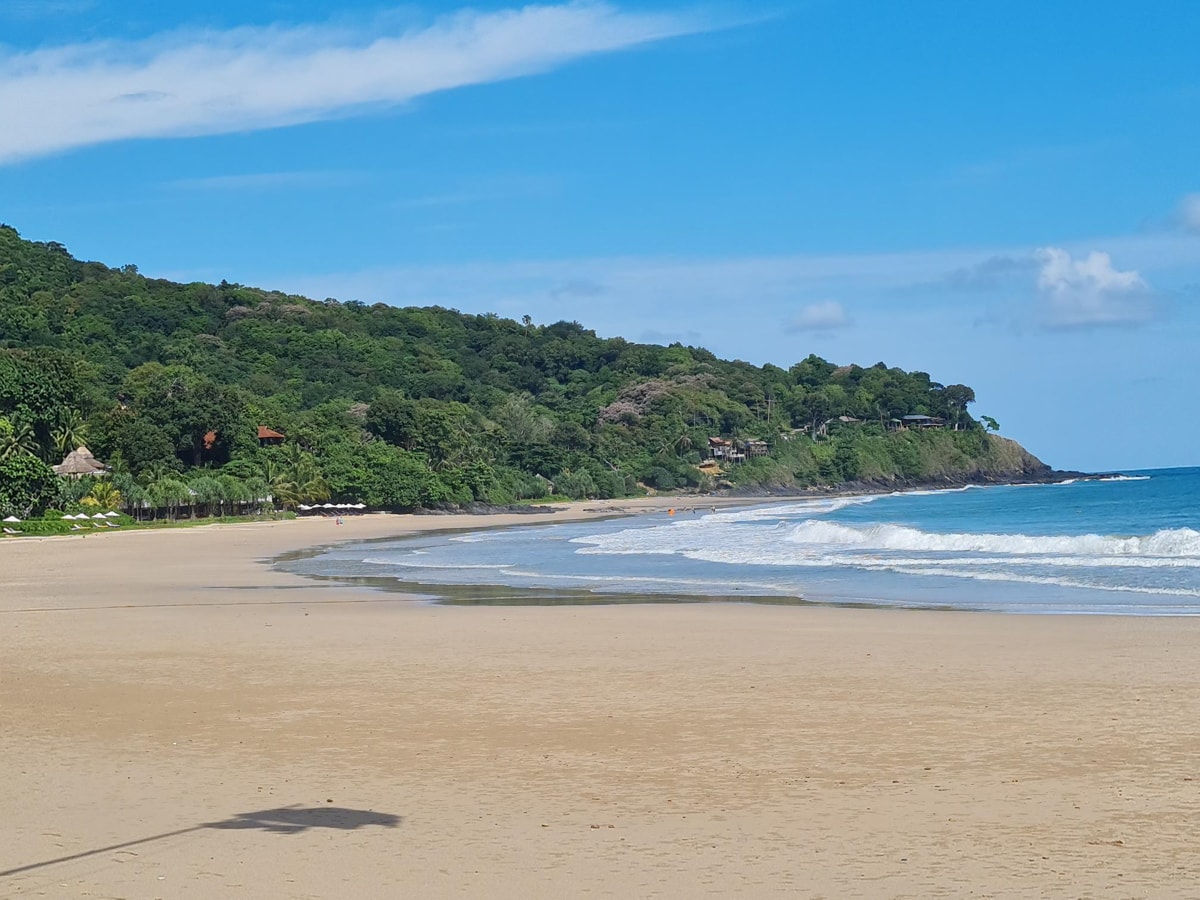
point(42, 9)
point(1023, 159)
point(824, 316)
point(992, 273)
point(266, 181)
point(1188, 213)
point(655, 336)
point(198, 83)
point(781, 283)
point(485, 190)
point(577, 289)
point(1090, 292)
point(640, 282)
point(632, 294)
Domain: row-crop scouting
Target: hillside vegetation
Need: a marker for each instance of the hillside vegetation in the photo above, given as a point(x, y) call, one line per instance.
point(168, 383)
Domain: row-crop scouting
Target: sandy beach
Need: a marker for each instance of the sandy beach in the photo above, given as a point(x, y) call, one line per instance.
point(178, 720)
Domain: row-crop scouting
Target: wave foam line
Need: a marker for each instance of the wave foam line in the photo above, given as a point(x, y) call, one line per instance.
point(1173, 542)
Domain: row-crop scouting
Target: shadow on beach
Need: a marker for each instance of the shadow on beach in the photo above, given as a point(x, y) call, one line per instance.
point(283, 820)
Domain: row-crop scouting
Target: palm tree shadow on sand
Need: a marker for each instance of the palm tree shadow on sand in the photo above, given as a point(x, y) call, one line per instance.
point(282, 820)
point(294, 819)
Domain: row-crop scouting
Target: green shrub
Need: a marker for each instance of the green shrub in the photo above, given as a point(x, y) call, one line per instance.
point(576, 485)
point(659, 479)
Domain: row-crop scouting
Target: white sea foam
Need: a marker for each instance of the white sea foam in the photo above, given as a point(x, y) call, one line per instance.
point(792, 508)
point(1175, 542)
point(792, 548)
point(1046, 580)
point(816, 537)
point(418, 564)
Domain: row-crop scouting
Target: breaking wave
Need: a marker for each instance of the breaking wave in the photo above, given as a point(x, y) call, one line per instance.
point(1174, 543)
point(1072, 547)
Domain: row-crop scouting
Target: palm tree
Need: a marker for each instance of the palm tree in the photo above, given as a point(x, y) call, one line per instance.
point(234, 493)
point(155, 471)
point(18, 439)
point(309, 483)
point(170, 493)
point(69, 432)
point(103, 495)
point(297, 480)
point(8, 441)
point(207, 490)
point(136, 499)
point(257, 491)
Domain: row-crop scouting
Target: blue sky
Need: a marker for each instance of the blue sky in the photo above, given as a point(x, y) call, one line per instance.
point(1001, 194)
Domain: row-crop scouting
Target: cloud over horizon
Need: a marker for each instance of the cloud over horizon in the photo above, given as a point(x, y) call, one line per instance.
point(1089, 291)
point(824, 316)
point(1189, 212)
point(186, 84)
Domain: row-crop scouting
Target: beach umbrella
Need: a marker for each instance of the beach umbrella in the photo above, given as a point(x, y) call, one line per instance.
point(12, 519)
point(97, 516)
point(305, 507)
point(328, 506)
point(112, 515)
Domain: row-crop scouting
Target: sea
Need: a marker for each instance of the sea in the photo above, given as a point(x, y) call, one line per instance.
point(1119, 545)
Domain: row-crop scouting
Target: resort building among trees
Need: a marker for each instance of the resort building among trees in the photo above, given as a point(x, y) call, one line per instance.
point(80, 462)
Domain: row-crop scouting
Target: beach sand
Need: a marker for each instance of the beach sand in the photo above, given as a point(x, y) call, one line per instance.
point(178, 720)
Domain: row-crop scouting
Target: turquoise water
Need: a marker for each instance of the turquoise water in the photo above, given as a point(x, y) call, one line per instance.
point(1128, 545)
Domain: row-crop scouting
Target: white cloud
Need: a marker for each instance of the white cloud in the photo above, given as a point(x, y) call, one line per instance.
point(266, 181)
point(824, 316)
point(186, 84)
point(1088, 291)
point(674, 286)
point(1189, 212)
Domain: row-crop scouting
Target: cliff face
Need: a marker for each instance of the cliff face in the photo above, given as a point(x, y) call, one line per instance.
point(865, 460)
point(1006, 460)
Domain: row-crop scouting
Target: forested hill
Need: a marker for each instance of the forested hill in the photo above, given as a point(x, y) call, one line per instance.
point(398, 407)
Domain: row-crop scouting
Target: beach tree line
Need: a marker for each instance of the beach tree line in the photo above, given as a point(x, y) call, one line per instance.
point(402, 407)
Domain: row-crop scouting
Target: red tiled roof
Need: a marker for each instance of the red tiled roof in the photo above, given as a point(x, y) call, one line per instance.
point(265, 433)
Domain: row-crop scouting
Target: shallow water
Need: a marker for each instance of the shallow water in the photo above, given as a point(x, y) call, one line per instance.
point(1123, 546)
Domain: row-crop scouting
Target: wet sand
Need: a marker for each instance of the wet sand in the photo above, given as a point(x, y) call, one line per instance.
point(179, 720)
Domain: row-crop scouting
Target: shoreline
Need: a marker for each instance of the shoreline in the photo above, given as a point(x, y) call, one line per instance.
point(182, 720)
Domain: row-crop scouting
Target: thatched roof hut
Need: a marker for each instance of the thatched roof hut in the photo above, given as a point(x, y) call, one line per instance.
point(80, 462)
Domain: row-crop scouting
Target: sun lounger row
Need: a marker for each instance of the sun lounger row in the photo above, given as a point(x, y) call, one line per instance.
point(15, 531)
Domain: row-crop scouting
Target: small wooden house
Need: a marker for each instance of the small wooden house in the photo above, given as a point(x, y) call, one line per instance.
point(921, 422)
point(269, 437)
point(756, 449)
point(720, 448)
